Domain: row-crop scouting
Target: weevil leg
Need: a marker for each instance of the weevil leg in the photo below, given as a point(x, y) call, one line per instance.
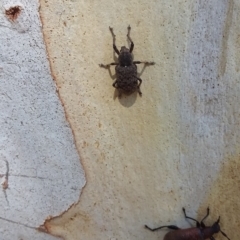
point(119, 90)
point(114, 84)
point(224, 234)
point(119, 93)
point(139, 91)
point(140, 82)
point(202, 223)
point(145, 62)
point(114, 41)
point(132, 44)
point(197, 222)
point(107, 65)
point(169, 226)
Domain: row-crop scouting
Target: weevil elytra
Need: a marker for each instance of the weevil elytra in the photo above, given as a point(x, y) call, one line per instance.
point(127, 80)
point(199, 232)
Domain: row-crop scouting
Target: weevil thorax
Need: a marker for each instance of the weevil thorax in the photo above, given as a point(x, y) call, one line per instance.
point(216, 227)
point(125, 57)
point(209, 231)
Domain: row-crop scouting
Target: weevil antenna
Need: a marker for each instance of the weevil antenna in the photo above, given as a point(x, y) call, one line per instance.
point(206, 215)
point(155, 229)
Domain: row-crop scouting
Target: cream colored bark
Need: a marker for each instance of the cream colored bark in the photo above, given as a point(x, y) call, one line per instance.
point(145, 158)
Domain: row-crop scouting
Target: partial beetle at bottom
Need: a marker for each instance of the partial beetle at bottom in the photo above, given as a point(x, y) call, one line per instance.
point(127, 80)
point(200, 232)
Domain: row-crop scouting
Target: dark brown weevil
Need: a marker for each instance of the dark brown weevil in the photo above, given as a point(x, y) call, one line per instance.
point(199, 232)
point(126, 69)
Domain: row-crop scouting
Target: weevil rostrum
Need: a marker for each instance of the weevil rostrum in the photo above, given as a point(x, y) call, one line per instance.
point(127, 80)
point(200, 232)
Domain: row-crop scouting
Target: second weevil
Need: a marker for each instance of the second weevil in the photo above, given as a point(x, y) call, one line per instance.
point(127, 80)
point(200, 232)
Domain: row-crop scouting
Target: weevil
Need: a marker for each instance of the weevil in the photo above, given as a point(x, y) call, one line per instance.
point(199, 232)
point(126, 69)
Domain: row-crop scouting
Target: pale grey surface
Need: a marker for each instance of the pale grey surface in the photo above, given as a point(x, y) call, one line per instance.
point(45, 174)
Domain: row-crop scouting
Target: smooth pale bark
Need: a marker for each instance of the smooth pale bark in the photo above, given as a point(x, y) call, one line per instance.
point(40, 170)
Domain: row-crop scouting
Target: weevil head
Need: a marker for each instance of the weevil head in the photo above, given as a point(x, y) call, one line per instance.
point(125, 57)
point(124, 49)
point(216, 226)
